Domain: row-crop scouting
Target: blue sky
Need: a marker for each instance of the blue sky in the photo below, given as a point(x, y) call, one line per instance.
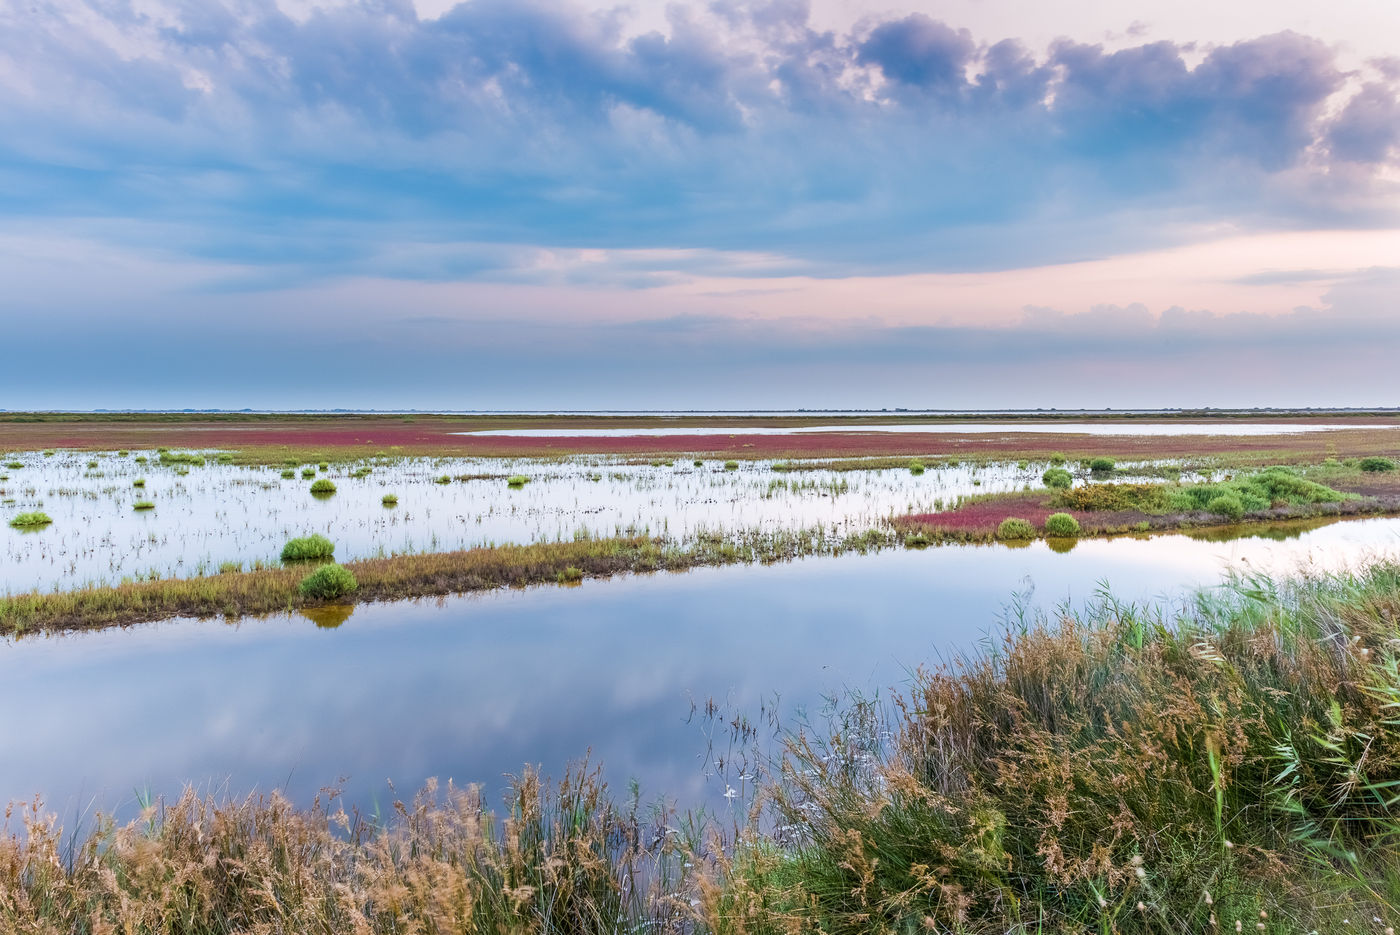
point(518, 204)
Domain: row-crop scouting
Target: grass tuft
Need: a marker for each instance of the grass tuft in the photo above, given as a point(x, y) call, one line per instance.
point(322, 487)
point(328, 582)
point(308, 548)
point(31, 520)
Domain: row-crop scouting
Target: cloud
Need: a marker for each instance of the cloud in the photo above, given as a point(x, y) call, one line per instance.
point(903, 145)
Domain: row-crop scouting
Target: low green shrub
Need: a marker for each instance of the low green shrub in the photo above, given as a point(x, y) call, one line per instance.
point(1101, 465)
point(731, 465)
point(289, 474)
point(916, 467)
point(389, 499)
point(517, 480)
point(308, 473)
point(143, 505)
point(323, 487)
point(181, 457)
point(570, 575)
point(139, 482)
point(1061, 526)
point(1376, 464)
point(328, 582)
point(443, 479)
point(1057, 479)
point(307, 548)
point(1149, 498)
point(1013, 527)
point(699, 463)
point(1057, 459)
point(31, 520)
point(14, 465)
point(1227, 505)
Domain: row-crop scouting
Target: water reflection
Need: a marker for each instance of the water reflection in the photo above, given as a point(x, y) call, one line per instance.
point(328, 616)
point(473, 688)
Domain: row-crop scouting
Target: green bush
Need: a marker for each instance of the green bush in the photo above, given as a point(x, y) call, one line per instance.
point(14, 465)
point(306, 548)
point(916, 467)
point(699, 463)
point(1057, 459)
point(139, 482)
point(143, 505)
point(1101, 465)
point(328, 582)
point(1149, 498)
point(308, 473)
point(1057, 479)
point(1013, 527)
point(289, 474)
point(323, 486)
point(30, 520)
point(1227, 505)
point(389, 499)
point(570, 575)
point(1061, 526)
point(1259, 491)
point(731, 465)
point(181, 457)
point(517, 480)
point(443, 479)
point(324, 465)
point(1376, 464)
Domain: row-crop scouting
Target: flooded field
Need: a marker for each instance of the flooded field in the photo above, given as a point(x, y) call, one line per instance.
point(202, 517)
point(1155, 429)
point(473, 688)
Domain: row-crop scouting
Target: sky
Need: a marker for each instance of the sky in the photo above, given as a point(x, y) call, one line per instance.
point(576, 204)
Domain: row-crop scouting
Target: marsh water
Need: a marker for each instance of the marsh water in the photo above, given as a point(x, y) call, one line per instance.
point(206, 516)
point(950, 428)
point(472, 688)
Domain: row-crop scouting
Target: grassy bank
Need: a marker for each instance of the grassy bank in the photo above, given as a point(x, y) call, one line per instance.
point(271, 590)
point(1231, 766)
point(1107, 508)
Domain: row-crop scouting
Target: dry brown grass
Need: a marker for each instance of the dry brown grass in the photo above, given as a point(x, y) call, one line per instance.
point(563, 860)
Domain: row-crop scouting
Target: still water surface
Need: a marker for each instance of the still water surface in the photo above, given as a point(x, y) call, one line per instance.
point(472, 688)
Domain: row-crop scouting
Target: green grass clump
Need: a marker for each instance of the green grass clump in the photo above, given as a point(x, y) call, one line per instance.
point(181, 457)
point(570, 575)
point(731, 465)
point(389, 499)
point(698, 463)
point(289, 474)
point(31, 520)
point(443, 479)
point(327, 583)
point(1057, 478)
point(140, 505)
point(14, 465)
point(323, 466)
point(123, 453)
point(1148, 498)
point(1057, 459)
point(142, 459)
point(1101, 465)
point(308, 473)
point(1227, 505)
point(1013, 527)
point(308, 548)
point(225, 458)
point(230, 568)
point(916, 467)
point(139, 482)
point(1061, 525)
point(1376, 464)
point(91, 465)
point(517, 480)
point(322, 487)
point(1260, 491)
point(49, 452)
